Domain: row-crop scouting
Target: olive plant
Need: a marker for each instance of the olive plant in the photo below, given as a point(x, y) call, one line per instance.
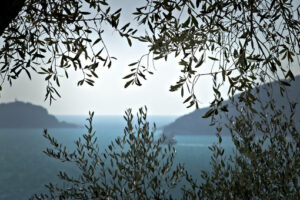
point(239, 42)
point(51, 37)
point(265, 162)
point(242, 43)
point(134, 166)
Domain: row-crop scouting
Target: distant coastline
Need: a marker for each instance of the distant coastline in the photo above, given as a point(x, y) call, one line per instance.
point(193, 124)
point(19, 114)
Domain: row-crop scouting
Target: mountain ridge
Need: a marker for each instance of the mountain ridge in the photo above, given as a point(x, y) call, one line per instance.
point(19, 114)
point(194, 124)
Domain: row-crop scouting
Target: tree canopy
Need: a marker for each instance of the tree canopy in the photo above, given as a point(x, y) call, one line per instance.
point(49, 37)
point(247, 42)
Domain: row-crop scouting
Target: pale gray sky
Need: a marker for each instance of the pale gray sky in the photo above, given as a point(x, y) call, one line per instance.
point(108, 96)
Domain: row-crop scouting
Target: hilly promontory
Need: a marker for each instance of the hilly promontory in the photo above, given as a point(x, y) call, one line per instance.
point(194, 124)
point(26, 115)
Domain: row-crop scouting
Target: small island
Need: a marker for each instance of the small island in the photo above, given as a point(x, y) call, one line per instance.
point(167, 139)
point(26, 115)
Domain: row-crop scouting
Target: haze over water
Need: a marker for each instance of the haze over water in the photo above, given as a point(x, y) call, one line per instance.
point(25, 169)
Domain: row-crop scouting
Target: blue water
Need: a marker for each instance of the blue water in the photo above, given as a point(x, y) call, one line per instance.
point(24, 168)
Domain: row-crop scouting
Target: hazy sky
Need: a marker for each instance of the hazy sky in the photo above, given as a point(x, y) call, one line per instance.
point(108, 96)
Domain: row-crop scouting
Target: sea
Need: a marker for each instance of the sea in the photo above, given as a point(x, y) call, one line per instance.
point(25, 169)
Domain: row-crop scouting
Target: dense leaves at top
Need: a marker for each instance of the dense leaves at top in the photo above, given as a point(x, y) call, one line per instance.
point(52, 36)
point(245, 42)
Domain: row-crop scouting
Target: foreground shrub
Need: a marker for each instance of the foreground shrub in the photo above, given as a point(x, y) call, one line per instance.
point(134, 166)
point(265, 163)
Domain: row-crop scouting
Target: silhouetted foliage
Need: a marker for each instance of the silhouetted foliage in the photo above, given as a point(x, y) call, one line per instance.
point(265, 163)
point(51, 36)
point(134, 166)
point(248, 42)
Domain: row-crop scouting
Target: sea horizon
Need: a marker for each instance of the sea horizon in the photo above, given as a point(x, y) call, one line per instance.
point(25, 169)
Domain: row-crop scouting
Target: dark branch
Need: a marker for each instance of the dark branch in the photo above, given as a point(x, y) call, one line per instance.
point(9, 10)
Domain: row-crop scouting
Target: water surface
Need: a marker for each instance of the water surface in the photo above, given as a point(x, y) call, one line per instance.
point(25, 169)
